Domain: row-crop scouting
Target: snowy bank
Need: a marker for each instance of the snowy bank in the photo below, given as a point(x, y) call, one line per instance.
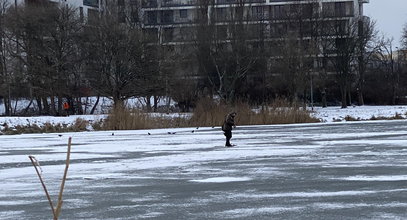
point(332, 114)
point(329, 114)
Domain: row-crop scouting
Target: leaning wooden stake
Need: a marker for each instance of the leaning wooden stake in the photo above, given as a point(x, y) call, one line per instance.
point(35, 163)
point(61, 189)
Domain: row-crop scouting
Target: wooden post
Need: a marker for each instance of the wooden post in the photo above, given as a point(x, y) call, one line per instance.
point(61, 189)
point(34, 161)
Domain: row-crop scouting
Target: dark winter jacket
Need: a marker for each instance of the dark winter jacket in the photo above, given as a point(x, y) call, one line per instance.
point(229, 122)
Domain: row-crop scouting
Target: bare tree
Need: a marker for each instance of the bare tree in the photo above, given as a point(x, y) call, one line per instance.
point(25, 34)
point(366, 46)
point(114, 56)
point(44, 41)
point(345, 32)
point(404, 37)
point(296, 47)
point(4, 73)
point(386, 56)
point(61, 45)
point(223, 37)
point(204, 43)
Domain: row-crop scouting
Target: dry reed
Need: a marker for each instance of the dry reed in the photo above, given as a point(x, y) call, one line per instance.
point(209, 113)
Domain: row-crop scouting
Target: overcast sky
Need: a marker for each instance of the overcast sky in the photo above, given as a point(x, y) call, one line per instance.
point(390, 16)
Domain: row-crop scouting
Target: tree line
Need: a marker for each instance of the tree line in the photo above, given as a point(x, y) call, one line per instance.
point(51, 54)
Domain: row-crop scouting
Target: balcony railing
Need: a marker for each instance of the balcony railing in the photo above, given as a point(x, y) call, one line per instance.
point(175, 3)
point(237, 1)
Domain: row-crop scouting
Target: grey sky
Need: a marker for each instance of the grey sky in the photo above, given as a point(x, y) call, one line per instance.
point(390, 16)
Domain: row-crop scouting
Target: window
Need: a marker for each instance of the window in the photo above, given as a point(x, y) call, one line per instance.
point(168, 34)
point(222, 32)
point(134, 16)
point(149, 3)
point(340, 9)
point(92, 3)
point(278, 30)
point(349, 9)
point(81, 13)
point(93, 15)
point(341, 28)
point(183, 13)
point(295, 10)
point(279, 11)
point(221, 14)
point(121, 16)
point(281, 30)
point(328, 9)
point(308, 10)
point(257, 12)
point(167, 16)
point(151, 17)
point(153, 3)
point(152, 35)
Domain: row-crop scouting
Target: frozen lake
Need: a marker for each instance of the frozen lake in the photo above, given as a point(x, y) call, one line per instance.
point(312, 171)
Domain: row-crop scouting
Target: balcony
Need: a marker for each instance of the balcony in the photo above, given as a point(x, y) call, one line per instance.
point(221, 2)
point(91, 3)
point(149, 3)
point(177, 3)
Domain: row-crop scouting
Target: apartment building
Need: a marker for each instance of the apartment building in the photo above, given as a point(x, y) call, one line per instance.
point(171, 19)
point(86, 8)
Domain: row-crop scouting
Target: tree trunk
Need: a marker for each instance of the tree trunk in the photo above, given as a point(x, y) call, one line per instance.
point(59, 105)
point(94, 106)
point(148, 103)
point(156, 99)
point(52, 106)
point(15, 107)
point(349, 99)
point(118, 102)
point(168, 104)
point(7, 106)
point(46, 105)
point(28, 106)
point(86, 105)
point(343, 97)
point(39, 104)
point(360, 96)
point(393, 99)
point(361, 80)
point(79, 109)
point(324, 103)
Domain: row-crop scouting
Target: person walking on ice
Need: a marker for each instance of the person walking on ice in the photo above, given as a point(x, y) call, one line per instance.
point(227, 127)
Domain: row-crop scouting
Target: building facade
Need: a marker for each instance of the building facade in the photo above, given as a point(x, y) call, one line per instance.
point(171, 19)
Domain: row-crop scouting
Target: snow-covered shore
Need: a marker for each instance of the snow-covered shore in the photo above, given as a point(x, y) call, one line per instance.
point(330, 114)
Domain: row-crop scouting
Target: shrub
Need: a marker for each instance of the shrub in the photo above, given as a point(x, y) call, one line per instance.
point(79, 125)
point(350, 118)
point(209, 113)
point(122, 118)
point(396, 116)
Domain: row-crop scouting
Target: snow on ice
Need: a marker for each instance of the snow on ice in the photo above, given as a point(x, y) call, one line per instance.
point(349, 170)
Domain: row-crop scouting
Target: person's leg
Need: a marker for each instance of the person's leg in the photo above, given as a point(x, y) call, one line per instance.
point(228, 135)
